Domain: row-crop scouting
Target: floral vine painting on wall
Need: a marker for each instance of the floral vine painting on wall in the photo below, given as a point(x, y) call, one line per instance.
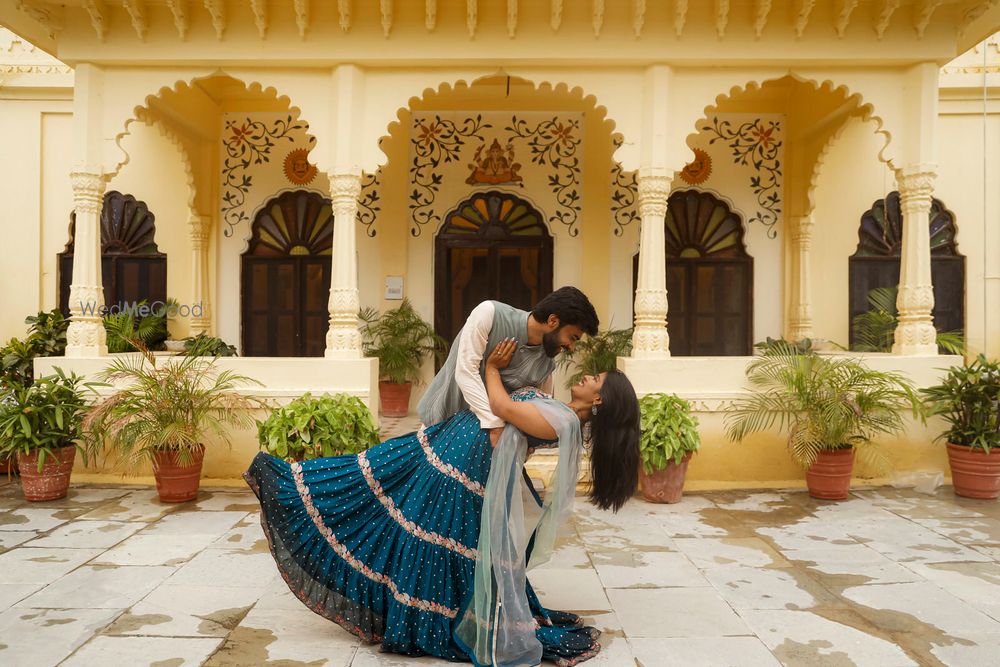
point(535, 153)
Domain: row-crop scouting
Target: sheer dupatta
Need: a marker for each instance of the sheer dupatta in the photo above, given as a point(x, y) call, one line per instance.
point(498, 628)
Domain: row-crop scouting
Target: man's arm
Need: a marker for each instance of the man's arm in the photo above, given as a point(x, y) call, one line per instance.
point(471, 350)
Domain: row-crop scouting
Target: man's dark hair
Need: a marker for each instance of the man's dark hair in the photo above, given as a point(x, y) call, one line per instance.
point(571, 306)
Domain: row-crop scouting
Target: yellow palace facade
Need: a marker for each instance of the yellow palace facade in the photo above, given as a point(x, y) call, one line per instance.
point(712, 172)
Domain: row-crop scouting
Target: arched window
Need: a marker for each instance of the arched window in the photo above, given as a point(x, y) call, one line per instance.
point(285, 284)
point(132, 268)
point(494, 245)
point(709, 277)
point(875, 263)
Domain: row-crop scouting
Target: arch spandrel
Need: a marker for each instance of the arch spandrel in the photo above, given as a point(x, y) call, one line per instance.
point(389, 94)
point(130, 93)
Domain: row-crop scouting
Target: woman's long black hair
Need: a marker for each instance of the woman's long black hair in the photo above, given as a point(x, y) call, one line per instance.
point(614, 452)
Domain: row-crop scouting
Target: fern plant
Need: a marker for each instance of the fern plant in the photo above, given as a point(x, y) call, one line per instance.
point(824, 403)
point(596, 354)
point(968, 399)
point(875, 329)
point(401, 340)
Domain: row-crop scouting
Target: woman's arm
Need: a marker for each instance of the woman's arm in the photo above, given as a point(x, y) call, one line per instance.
point(521, 415)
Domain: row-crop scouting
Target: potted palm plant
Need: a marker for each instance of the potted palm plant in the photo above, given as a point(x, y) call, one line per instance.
point(41, 425)
point(310, 427)
point(831, 407)
point(669, 437)
point(968, 399)
point(166, 415)
point(401, 340)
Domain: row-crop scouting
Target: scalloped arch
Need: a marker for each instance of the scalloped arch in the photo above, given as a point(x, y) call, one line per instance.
point(818, 85)
point(141, 111)
point(462, 85)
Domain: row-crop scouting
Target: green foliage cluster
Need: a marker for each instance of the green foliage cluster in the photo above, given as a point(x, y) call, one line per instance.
point(175, 407)
point(204, 345)
point(875, 329)
point(44, 416)
point(596, 354)
point(401, 340)
point(311, 427)
point(968, 399)
point(151, 329)
point(46, 338)
point(825, 403)
point(668, 431)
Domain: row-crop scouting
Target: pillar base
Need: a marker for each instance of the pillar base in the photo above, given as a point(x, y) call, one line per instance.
point(86, 338)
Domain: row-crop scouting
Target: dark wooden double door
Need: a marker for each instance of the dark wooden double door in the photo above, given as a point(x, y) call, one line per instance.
point(285, 306)
point(493, 246)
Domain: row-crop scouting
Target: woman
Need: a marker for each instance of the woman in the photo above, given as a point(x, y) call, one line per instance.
point(394, 544)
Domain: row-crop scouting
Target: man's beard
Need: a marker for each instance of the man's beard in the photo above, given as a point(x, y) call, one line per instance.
point(550, 343)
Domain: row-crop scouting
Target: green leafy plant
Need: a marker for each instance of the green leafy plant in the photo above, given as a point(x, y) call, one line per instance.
point(596, 354)
point(47, 332)
point(44, 417)
point(668, 431)
point(17, 363)
point(875, 329)
point(825, 403)
point(968, 399)
point(151, 329)
point(46, 338)
point(310, 427)
point(204, 345)
point(401, 340)
point(772, 345)
point(175, 407)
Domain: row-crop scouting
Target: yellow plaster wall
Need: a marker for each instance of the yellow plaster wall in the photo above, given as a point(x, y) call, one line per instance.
point(850, 179)
point(960, 186)
point(155, 175)
point(37, 200)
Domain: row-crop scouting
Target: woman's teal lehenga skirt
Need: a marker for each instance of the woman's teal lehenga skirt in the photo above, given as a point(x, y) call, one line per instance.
point(384, 543)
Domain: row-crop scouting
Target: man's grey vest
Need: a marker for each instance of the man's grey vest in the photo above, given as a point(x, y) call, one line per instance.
point(529, 367)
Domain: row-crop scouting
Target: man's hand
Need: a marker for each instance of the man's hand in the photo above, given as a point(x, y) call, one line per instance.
point(495, 435)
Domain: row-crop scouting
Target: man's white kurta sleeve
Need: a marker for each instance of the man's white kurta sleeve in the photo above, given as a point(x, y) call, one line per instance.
point(471, 351)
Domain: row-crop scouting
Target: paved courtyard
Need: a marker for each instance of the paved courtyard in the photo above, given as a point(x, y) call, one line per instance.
point(890, 577)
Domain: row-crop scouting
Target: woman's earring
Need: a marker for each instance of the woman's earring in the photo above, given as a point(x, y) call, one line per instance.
point(593, 409)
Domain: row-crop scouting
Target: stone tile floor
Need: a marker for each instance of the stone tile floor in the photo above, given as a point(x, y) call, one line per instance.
point(888, 577)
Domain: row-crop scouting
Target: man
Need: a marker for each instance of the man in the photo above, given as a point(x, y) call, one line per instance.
point(555, 324)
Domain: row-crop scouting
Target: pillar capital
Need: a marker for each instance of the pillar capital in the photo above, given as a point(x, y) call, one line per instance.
point(916, 181)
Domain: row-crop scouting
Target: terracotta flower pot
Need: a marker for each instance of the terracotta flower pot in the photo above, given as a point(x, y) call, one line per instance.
point(664, 486)
point(975, 473)
point(177, 483)
point(8, 465)
point(829, 478)
point(53, 481)
point(395, 398)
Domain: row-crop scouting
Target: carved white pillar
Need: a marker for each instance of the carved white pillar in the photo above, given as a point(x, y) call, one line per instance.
point(85, 336)
point(650, 339)
point(343, 340)
point(915, 333)
point(802, 322)
point(200, 228)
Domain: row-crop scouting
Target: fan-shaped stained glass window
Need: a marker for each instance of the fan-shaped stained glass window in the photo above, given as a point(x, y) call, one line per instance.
point(286, 277)
point(709, 277)
point(875, 263)
point(493, 245)
point(132, 268)
point(293, 224)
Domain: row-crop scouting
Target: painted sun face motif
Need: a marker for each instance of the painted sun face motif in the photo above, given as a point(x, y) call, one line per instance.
point(297, 167)
point(699, 169)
